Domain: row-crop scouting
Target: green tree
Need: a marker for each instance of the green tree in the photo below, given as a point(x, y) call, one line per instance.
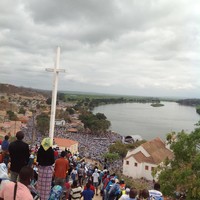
point(183, 172)
point(101, 116)
point(61, 114)
point(22, 110)
point(111, 156)
point(70, 110)
point(198, 109)
point(92, 122)
point(118, 148)
point(12, 116)
point(43, 123)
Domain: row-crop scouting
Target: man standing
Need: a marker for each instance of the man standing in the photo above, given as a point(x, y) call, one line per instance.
point(95, 176)
point(19, 155)
point(87, 193)
point(81, 174)
point(61, 168)
point(75, 193)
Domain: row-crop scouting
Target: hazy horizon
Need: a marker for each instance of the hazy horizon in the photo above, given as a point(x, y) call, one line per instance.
point(143, 48)
point(106, 94)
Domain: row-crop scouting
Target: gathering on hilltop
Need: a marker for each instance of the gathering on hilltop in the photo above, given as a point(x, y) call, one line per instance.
point(84, 159)
point(99, 100)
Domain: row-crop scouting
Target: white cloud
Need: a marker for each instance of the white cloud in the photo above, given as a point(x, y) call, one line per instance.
point(125, 47)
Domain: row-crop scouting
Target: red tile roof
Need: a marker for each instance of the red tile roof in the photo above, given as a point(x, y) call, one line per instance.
point(72, 130)
point(64, 142)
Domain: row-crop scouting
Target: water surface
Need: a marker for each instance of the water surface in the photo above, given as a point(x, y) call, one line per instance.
point(147, 121)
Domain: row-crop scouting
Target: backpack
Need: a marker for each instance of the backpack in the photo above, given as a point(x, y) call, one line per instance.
point(56, 192)
point(114, 190)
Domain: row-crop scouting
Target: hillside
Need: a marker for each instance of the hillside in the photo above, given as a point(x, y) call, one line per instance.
point(28, 92)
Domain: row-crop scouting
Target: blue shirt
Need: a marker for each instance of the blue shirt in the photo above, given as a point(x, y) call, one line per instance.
point(88, 194)
point(4, 145)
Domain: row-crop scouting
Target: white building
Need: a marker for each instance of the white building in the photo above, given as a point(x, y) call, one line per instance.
point(60, 122)
point(131, 139)
point(140, 162)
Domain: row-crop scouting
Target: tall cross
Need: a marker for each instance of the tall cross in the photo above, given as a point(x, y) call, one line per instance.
point(56, 71)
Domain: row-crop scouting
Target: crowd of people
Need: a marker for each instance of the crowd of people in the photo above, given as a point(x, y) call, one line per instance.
point(50, 176)
point(93, 146)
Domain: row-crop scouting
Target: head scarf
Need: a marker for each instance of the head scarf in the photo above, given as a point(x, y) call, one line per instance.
point(3, 171)
point(46, 143)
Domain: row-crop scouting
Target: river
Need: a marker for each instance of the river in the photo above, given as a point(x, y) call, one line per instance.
point(147, 121)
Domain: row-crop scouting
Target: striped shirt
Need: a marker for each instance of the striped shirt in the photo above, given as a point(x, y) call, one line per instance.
point(156, 194)
point(76, 193)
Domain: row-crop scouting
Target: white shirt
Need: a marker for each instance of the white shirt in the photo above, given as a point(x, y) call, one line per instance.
point(124, 197)
point(95, 176)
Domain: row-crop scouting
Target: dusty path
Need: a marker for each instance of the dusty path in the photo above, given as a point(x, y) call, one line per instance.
point(99, 197)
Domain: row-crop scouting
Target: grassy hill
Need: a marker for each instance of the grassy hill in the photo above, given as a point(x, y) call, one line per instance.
point(23, 91)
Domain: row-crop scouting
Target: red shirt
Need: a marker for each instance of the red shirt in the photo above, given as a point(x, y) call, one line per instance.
point(61, 167)
point(67, 185)
point(91, 188)
point(56, 153)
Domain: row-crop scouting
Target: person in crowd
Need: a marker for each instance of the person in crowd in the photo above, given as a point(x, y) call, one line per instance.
point(91, 186)
point(133, 194)
point(95, 176)
point(19, 190)
point(95, 167)
point(114, 191)
point(31, 159)
point(4, 147)
point(4, 178)
point(74, 173)
point(45, 159)
point(81, 174)
point(144, 194)
point(19, 155)
point(56, 155)
point(56, 193)
point(126, 195)
point(122, 186)
point(156, 192)
point(60, 170)
point(87, 193)
point(108, 187)
point(75, 193)
point(67, 189)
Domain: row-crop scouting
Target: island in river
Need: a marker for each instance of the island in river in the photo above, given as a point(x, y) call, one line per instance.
point(157, 104)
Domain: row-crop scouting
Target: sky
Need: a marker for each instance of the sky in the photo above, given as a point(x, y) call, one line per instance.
point(127, 47)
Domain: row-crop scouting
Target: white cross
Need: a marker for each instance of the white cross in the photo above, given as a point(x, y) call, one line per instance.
point(56, 71)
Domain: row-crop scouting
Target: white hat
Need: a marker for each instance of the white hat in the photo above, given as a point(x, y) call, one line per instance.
point(128, 190)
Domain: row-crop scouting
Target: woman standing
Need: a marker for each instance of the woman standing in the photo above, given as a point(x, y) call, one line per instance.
point(45, 159)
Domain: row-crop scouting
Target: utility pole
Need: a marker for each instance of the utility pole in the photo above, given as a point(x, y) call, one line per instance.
point(56, 71)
